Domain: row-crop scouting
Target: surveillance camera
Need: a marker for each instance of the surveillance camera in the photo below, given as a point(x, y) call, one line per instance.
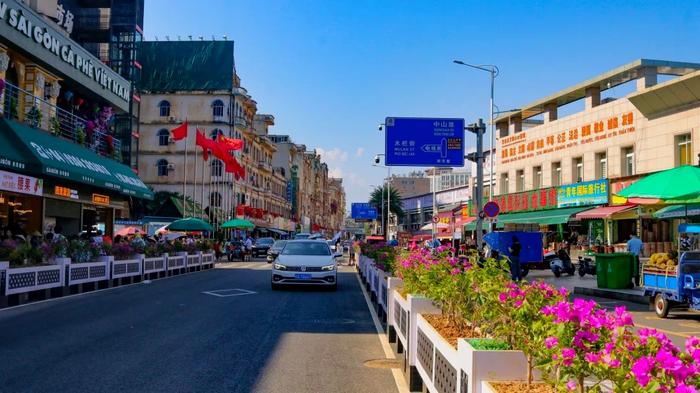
point(376, 159)
point(380, 127)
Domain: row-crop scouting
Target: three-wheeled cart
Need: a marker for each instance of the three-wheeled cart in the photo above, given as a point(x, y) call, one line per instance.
point(676, 285)
point(530, 242)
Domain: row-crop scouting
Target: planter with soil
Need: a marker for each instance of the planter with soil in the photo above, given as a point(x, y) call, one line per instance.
point(440, 363)
point(515, 387)
point(492, 365)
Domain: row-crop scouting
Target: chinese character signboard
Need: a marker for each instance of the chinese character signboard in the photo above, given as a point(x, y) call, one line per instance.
point(583, 194)
point(363, 211)
point(21, 184)
point(543, 199)
point(99, 199)
point(424, 142)
point(525, 145)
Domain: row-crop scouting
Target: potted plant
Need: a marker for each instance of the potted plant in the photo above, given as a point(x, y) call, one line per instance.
point(81, 251)
point(34, 116)
point(54, 126)
point(80, 133)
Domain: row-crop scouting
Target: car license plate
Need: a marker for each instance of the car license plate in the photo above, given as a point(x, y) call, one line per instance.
point(302, 276)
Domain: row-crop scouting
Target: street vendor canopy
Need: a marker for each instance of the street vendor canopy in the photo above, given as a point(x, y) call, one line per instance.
point(678, 211)
point(673, 186)
point(23, 147)
point(603, 212)
point(541, 217)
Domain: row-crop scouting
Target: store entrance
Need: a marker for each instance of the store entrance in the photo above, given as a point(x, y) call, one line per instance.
point(98, 219)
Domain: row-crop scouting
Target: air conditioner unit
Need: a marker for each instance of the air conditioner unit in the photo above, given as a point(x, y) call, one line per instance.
point(171, 167)
point(172, 119)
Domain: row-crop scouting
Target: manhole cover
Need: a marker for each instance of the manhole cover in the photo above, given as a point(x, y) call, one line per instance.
point(383, 363)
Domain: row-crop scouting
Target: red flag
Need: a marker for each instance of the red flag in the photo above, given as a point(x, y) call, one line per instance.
point(179, 132)
point(232, 166)
point(205, 143)
point(230, 143)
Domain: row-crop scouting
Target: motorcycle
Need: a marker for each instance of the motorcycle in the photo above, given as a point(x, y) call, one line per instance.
point(586, 265)
point(234, 250)
point(560, 262)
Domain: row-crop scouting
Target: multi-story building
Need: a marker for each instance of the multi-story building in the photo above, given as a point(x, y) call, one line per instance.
point(291, 155)
point(411, 184)
point(60, 150)
point(452, 179)
point(630, 125)
point(336, 204)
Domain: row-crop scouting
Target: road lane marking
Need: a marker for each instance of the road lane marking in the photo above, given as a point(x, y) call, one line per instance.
point(398, 377)
point(679, 334)
point(229, 292)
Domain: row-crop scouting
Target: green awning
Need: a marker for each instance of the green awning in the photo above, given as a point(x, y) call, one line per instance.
point(44, 154)
point(190, 207)
point(678, 211)
point(541, 217)
point(472, 226)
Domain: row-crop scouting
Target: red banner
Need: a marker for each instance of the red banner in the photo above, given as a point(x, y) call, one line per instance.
point(179, 132)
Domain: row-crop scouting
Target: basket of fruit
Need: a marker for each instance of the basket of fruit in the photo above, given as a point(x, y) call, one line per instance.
point(662, 263)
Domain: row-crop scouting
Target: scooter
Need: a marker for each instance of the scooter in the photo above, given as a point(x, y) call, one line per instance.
point(586, 265)
point(561, 263)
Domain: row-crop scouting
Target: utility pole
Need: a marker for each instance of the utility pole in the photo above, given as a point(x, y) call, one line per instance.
point(479, 128)
point(388, 202)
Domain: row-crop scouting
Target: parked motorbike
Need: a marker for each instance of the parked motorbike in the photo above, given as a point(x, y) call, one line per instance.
point(560, 262)
point(234, 250)
point(586, 265)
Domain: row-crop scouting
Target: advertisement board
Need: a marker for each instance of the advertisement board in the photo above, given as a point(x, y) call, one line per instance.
point(21, 184)
point(588, 193)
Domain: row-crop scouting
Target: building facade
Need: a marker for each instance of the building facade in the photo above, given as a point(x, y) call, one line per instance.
point(411, 184)
point(60, 153)
point(591, 154)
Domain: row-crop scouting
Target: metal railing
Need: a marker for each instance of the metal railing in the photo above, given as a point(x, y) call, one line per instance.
point(23, 106)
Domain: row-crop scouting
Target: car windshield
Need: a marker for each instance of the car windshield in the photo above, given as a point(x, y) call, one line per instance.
point(306, 248)
point(265, 241)
point(301, 236)
point(279, 244)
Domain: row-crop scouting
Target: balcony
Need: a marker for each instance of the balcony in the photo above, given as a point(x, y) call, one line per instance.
point(23, 106)
point(264, 165)
point(239, 121)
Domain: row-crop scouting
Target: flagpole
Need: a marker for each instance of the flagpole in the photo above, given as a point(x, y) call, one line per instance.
point(184, 180)
point(194, 189)
point(201, 191)
point(211, 209)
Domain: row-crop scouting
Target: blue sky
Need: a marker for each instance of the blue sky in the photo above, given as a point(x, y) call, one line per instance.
point(331, 71)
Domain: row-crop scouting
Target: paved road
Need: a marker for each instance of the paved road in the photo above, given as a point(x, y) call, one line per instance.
point(168, 336)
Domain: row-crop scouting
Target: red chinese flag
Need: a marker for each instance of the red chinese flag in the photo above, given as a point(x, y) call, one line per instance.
point(230, 143)
point(179, 132)
point(205, 143)
point(232, 166)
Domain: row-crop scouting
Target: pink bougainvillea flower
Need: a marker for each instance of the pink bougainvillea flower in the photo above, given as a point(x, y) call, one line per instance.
point(683, 388)
point(568, 355)
point(592, 357)
point(641, 370)
point(502, 297)
point(571, 385)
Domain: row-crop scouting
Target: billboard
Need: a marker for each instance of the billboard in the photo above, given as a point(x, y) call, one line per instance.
point(363, 211)
point(429, 142)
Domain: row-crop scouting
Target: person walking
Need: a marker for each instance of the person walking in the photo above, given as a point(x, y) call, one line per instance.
point(634, 246)
point(514, 250)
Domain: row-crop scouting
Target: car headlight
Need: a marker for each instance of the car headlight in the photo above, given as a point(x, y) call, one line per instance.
point(328, 268)
point(279, 266)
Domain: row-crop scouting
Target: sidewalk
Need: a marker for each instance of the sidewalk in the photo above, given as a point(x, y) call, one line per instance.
point(588, 286)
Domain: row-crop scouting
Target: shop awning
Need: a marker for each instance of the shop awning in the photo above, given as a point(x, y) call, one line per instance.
point(678, 211)
point(541, 217)
point(44, 154)
point(603, 212)
point(472, 225)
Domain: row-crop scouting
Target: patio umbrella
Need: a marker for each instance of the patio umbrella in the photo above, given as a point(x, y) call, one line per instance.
point(673, 186)
point(126, 231)
point(439, 225)
point(237, 223)
point(189, 225)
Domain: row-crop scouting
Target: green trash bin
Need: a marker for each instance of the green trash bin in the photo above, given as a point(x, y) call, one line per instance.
point(617, 269)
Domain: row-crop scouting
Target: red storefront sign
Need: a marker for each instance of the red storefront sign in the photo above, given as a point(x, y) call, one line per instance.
point(543, 199)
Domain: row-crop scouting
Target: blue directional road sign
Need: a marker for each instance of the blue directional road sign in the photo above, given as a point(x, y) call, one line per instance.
point(412, 141)
point(363, 211)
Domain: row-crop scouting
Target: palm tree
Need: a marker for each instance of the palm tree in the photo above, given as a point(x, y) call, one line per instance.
point(395, 203)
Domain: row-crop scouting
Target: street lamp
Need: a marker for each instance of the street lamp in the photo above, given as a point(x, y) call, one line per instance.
point(493, 70)
point(388, 194)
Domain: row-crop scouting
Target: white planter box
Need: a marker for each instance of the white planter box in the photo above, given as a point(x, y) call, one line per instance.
point(438, 362)
point(193, 260)
point(392, 284)
point(480, 366)
point(27, 279)
point(416, 305)
point(176, 262)
point(154, 264)
point(400, 317)
point(382, 291)
point(208, 259)
point(80, 273)
point(126, 268)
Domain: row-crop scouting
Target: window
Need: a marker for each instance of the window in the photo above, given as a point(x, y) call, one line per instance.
point(163, 137)
point(601, 167)
point(164, 107)
point(215, 199)
point(519, 180)
point(577, 170)
point(556, 174)
point(628, 161)
point(162, 166)
point(684, 150)
point(504, 183)
point(215, 133)
point(537, 177)
point(217, 108)
point(216, 167)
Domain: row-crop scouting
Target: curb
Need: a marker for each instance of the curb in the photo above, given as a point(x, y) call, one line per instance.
point(612, 294)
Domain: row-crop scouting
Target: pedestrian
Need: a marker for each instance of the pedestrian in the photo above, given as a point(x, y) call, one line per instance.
point(634, 246)
point(514, 250)
point(248, 248)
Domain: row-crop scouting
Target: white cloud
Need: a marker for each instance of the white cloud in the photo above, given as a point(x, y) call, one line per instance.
point(360, 152)
point(332, 156)
point(335, 172)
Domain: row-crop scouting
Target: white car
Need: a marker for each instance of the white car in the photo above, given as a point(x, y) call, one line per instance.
point(305, 262)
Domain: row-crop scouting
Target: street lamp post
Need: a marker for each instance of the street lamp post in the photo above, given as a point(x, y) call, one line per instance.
point(493, 71)
point(385, 232)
